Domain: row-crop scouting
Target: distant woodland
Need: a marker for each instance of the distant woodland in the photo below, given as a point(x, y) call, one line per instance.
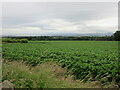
point(114, 37)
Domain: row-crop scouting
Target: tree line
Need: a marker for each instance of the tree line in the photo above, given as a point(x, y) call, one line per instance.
point(89, 38)
point(114, 37)
point(9, 40)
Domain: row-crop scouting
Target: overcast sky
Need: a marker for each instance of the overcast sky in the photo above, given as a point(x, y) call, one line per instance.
point(50, 18)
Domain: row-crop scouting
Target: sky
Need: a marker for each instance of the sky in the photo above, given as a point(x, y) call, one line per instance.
point(58, 18)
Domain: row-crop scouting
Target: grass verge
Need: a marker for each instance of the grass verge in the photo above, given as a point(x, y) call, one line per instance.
point(45, 75)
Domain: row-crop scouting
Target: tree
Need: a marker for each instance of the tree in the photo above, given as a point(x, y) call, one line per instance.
point(117, 35)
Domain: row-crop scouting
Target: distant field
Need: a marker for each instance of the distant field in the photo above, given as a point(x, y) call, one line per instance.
point(87, 60)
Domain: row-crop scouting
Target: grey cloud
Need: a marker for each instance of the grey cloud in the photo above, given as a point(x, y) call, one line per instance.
point(24, 14)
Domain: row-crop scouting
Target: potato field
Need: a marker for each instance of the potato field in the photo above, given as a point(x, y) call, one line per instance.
point(86, 60)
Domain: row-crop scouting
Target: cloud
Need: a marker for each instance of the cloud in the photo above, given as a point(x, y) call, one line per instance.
point(59, 26)
point(108, 22)
point(58, 18)
point(21, 31)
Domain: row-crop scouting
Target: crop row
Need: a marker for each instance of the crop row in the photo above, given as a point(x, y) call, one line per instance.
point(86, 60)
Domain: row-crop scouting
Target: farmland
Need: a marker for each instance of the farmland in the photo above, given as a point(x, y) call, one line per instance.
point(87, 60)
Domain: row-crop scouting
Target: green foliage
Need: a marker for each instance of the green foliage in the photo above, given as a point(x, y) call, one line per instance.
point(45, 75)
point(9, 40)
point(88, 60)
point(81, 38)
point(117, 35)
point(22, 77)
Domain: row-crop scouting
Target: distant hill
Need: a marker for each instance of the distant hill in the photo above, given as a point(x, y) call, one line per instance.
point(67, 34)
